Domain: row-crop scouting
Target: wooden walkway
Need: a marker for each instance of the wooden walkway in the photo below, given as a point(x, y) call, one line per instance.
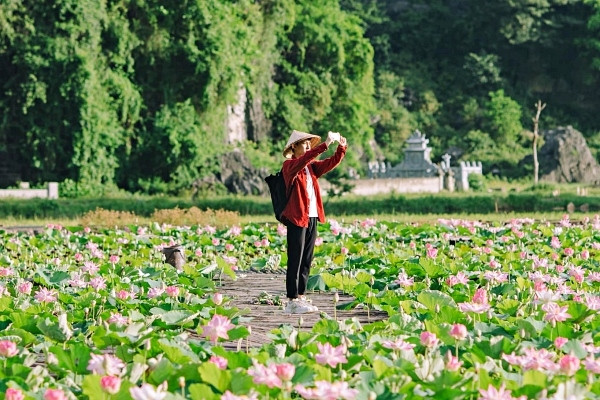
point(244, 292)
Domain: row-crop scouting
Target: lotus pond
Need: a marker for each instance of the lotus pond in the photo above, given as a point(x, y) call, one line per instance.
point(474, 311)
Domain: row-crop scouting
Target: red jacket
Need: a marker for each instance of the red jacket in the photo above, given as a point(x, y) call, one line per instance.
point(296, 210)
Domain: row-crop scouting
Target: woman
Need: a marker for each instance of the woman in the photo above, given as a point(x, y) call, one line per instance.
point(304, 208)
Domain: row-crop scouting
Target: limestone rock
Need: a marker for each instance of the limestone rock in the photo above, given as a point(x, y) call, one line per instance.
point(240, 177)
point(565, 157)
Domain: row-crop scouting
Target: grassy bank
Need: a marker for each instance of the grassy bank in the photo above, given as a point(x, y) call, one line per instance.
point(488, 206)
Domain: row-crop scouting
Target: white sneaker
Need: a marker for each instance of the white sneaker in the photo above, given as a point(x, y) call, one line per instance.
point(296, 306)
point(304, 299)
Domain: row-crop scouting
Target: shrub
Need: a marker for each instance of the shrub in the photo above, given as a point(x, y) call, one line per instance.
point(108, 218)
point(477, 182)
point(196, 216)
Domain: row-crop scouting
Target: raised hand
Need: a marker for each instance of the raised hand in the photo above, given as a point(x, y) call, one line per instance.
point(343, 141)
point(332, 137)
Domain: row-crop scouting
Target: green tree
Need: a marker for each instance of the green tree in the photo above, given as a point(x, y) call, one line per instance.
point(503, 117)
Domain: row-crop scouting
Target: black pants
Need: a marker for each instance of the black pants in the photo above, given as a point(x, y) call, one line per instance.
point(300, 251)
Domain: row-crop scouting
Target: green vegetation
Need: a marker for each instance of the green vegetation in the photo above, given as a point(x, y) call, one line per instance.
point(499, 201)
point(134, 95)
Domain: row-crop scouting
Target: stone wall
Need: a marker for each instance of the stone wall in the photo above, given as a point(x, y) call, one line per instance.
point(51, 192)
point(368, 187)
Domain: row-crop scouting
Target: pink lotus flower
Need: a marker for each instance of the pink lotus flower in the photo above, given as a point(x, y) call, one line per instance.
point(555, 313)
point(432, 252)
point(123, 294)
point(113, 259)
point(263, 375)
point(568, 251)
point(429, 339)
point(398, 345)
point(110, 384)
point(46, 296)
point(230, 396)
point(217, 298)
point(25, 287)
point(198, 252)
point(569, 364)
point(591, 364)
point(458, 331)
point(560, 342)
point(6, 271)
point(318, 241)
point(331, 355)
point(344, 250)
point(281, 230)
point(324, 390)
point(480, 296)
point(172, 291)
point(585, 254)
point(14, 394)
point(98, 283)
point(106, 364)
point(118, 319)
point(78, 257)
point(495, 394)
point(285, 371)
point(155, 292)
point(217, 328)
point(404, 280)
point(220, 362)
point(555, 243)
point(54, 394)
point(90, 267)
point(265, 242)
point(452, 363)
point(148, 392)
point(459, 278)
point(229, 247)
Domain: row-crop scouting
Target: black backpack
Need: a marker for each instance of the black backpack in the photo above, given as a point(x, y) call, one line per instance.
point(279, 197)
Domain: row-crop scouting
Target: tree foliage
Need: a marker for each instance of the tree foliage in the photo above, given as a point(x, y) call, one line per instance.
point(135, 93)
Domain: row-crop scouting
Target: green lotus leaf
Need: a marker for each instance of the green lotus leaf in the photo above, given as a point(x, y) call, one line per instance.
point(75, 358)
point(162, 371)
point(200, 391)
point(316, 282)
point(575, 347)
point(214, 376)
point(433, 298)
point(177, 352)
point(52, 329)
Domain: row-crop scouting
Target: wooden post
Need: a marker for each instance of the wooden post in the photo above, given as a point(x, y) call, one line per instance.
point(536, 120)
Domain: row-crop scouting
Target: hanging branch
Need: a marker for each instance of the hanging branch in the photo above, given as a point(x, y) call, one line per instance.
point(536, 120)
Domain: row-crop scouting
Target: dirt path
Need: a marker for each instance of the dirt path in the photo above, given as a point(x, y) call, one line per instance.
point(247, 288)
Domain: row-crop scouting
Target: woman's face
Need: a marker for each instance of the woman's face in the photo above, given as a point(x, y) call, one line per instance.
point(301, 147)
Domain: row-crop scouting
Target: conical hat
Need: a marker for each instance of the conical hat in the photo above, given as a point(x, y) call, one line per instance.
point(296, 137)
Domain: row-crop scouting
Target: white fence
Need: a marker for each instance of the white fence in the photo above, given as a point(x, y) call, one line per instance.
point(51, 192)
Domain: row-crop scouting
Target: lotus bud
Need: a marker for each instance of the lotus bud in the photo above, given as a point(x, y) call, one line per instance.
point(437, 308)
point(490, 314)
point(300, 321)
point(336, 297)
point(343, 375)
point(478, 333)
point(249, 329)
point(372, 396)
point(181, 381)
point(523, 333)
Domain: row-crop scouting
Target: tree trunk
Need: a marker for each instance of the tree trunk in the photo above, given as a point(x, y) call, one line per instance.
point(536, 120)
